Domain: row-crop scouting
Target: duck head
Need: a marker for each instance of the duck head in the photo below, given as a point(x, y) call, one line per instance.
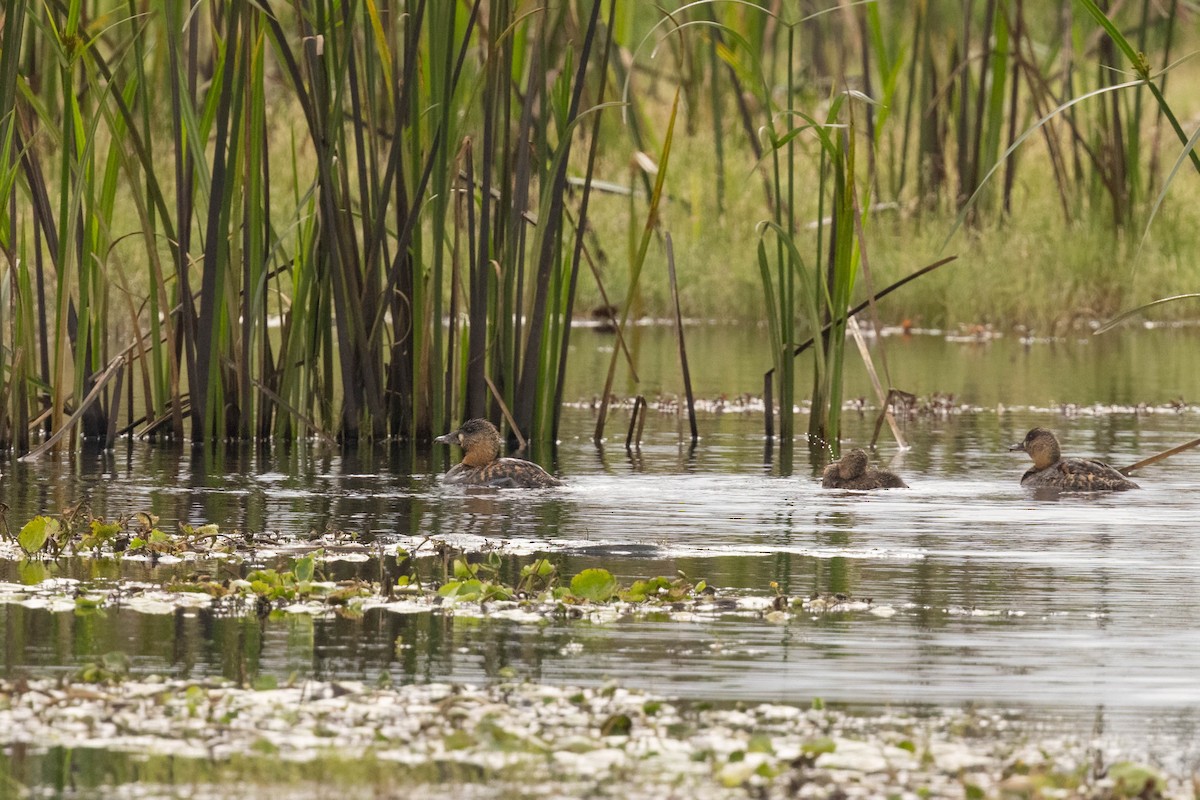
point(852, 464)
point(1042, 447)
point(479, 440)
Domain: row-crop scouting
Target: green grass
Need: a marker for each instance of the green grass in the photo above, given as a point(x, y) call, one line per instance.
point(1032, 269)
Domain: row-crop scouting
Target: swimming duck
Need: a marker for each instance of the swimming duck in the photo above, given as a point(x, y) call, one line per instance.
point(482, 464)
point(851, 472)
point(1052, 471)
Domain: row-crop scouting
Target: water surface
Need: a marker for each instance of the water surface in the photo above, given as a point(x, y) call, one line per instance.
point(1071, 608)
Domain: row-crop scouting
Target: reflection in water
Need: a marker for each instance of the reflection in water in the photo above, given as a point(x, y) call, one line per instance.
point(998, 597)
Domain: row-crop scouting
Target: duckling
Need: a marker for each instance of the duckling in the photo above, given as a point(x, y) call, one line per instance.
point(1052, 471)
point(482, 464)
point(851, 472)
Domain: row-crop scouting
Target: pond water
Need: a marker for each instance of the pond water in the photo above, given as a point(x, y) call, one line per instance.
point(1081, 608)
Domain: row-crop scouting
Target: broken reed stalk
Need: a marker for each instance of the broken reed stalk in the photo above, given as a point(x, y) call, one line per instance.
point(768, 376)
point(883, 397)
point(508, 417)
point(114, 411)
point(683, 362)
point(629, 364)
point(889, 403)
point(633, 438)
point(295, 412)
point(111, 371)
point(1154, 459)
point(639, 259)
point(800, 348)
point(769, 403)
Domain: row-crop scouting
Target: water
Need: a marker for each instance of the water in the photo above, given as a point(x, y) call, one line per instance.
point(1061, 607)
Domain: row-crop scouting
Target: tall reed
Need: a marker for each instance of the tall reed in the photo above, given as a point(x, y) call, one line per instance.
point(296, 278)
point(813, 291)
point(354, 218)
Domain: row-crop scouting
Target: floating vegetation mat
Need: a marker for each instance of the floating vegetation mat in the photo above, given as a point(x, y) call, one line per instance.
point(238, 575)
point(528, 740)
point(936, 406)
point(593, 595)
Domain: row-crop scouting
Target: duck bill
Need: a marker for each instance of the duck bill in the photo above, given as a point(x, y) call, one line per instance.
point(447, 438)
point(1016, 448)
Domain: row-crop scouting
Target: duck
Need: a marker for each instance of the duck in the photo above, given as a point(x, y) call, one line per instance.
point(482, 465)
point(1051, 471)
point(851, 472)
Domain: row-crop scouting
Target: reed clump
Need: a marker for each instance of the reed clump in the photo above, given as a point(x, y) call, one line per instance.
point(340, 219)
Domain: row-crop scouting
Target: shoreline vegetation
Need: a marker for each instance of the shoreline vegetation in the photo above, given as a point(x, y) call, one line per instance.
point(171, 183)
point(115, 728)
point(308, 738)
point(344, 221)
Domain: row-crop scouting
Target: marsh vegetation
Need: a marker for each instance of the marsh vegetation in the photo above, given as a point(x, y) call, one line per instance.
point(277, 221)
point(303, 615)
point(307, 237)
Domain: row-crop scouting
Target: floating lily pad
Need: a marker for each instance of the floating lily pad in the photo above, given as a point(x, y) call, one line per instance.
point(819, 746)
point(594, 585)
point(36, 533)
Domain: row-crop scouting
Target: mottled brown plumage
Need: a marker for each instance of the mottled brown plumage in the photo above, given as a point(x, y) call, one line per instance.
point(482, 464)
point(851, 472)
point(1051, 471)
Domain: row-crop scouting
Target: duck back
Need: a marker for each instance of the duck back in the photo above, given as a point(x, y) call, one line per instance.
point(870, 479)
point(504, 473)
point(1078, 475)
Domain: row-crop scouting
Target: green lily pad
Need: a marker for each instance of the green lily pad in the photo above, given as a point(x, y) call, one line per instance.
point(36, 533)
point(594, 585)
point(816, 747)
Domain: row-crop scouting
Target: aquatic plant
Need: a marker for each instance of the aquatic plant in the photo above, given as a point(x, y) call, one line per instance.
point(309, 737)
point(594, 586)
point(109, 668)
point(294, 281)
point(338, 220)
point(637, 260)
point(76, 531)
point(478, 581)
point(464, 577)
point(37, 533)
point(540, 580)
point(72, 531)
point(1137, 59)
point(825, 287)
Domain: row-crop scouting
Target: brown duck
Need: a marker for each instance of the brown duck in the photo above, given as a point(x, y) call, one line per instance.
point(851, 472)
point(1052, 471)
point(482, 464)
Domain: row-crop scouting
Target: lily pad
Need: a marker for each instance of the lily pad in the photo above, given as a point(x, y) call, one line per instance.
point(594, 585)
point(36, 533)
point(818, 746)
